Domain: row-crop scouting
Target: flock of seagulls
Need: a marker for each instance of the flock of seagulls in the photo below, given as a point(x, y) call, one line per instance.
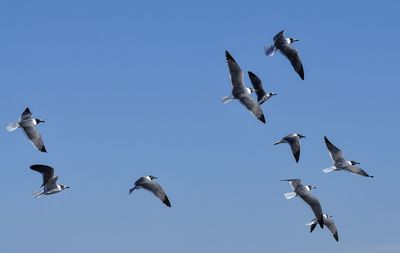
point(243, 94)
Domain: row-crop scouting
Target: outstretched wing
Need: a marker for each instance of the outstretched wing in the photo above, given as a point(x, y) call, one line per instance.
point(157, 190)
point(258, 87)
point(34, 136)
point(313, 202)
point(293, 182)
point(294, 146)
point(235, 73)
point(293, 57)
point(252, 106)
point(26, 114)
point(335, 153)
point(46, 171)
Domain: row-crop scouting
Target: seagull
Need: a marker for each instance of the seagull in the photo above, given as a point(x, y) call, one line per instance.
point(284, 45)
point(340, 162)
point(240, 91)
point(28, 125)
point(328, 221)
point(258, 88)
point(303, 192)
point(49, 185)
point(148, 183)
point(294, 141)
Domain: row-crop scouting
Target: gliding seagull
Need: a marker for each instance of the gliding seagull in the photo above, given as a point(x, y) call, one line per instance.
point(148, 183)
point(328, 221)
point(303, 192)
point(49, 185)
point(258, 88)
point(284, 45)
point(240, 91)
point(28, 125)
point(294, 141)
point(340, 162)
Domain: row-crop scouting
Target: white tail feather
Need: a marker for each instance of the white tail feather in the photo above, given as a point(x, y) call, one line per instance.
point(310, 223)
point(290, 195)
point(327, 170)
point(12, 126)
point(227, 99)
point(270, 51)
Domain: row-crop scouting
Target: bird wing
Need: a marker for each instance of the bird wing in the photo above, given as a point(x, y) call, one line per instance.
point(357, 170)
point(293, 56)
point(313, 202)
point(335, 153)
point(331, 226)
point(295, 147)
point(279, 35)
point(293, 182)
point(258, 86)
point(157, 190)
point(235, 73)
point(46, 171)
point(34, 136)
point(252, 106)
point(26, 114)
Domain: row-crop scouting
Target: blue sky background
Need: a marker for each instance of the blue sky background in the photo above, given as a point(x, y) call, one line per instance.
point(130, 88)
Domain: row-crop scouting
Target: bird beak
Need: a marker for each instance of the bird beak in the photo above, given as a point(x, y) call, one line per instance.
point(274, 94)
point(295, 40)
point(67, 187)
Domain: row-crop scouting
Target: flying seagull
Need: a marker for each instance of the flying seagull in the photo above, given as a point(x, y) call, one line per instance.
point(28, 125)
point(240, 91)
point(284, 45)
point(258, 88)
point(328, 221)
point(148, 183)
point(303, 192)
point(294, 141)
point(49, 185)
point(340, 163)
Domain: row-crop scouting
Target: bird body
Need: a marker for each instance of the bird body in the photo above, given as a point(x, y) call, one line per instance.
point(49, 185)
point(148, 183)
point(28, 125)
point(328, 222)
point(294, 141)
point(283, 44)
point(340, 163)
point(304, 193)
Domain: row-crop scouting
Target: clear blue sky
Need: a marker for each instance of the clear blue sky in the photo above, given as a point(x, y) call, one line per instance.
point(129, 89)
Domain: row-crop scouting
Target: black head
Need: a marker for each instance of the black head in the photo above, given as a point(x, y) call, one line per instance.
point(354, 162)
point(39, 121)
point(310, 187)
point(301, 136)
point(152, 177)
point(272, 94)
point(293, 40)
point(64, 187)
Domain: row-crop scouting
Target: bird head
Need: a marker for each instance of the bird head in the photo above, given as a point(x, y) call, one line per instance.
point(39, 121)
point(270, 94)
point(310, 187)
point(301, 136)
point(64, 187)
point(354, 162)
point(152, 177)
point(293, 40)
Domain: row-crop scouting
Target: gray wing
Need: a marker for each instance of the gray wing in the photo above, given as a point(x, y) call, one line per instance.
point(279, 36)
point(293, 56)
point(331, 226)
point(34, 136)
point(26, 114)
point(156, 189)
point(46, 171)
point(294, 183)
point(357, 170)
point(252, 106)
point(236, 74)
point(313, 202)
point(335, 153)
point(294, 146)
point(258, 87)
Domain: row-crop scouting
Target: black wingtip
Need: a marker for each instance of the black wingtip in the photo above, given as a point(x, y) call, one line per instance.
point(166, 201)
point(27, 110)
point(228, 56)
point(251, 73)
point(43, 149)
point(336, 236)
point(262, 118)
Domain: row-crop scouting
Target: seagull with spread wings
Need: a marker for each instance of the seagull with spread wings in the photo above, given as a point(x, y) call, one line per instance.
point(149, 183)
point(294, 141)
point(49, 185)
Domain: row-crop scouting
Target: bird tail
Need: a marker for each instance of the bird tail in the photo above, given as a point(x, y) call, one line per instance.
point(227, 99)
point(12, 126)
point(133, 189)
point(312, 224)
point(330, 169)
point(290, 195)
point(270, 51)
point(38, 194)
